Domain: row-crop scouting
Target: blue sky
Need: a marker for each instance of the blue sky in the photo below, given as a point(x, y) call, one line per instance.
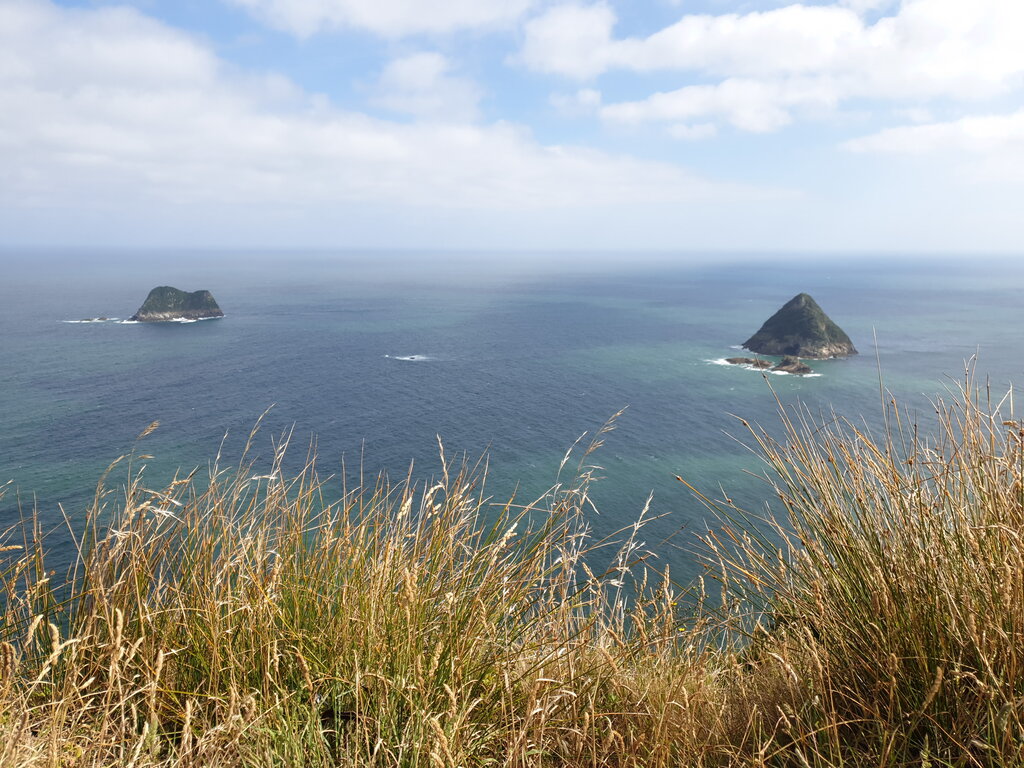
point(843, 125)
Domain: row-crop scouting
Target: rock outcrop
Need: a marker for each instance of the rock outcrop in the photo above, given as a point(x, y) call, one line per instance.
point(166, 304)
point(801, 329)
point(753, 362)
point(790, 364)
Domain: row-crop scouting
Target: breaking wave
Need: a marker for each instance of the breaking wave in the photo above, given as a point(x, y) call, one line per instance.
point(723, 361)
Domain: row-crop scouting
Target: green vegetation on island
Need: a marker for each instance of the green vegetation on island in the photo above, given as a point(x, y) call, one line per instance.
point(251, 620)
point(801, 329)
point(165, 303)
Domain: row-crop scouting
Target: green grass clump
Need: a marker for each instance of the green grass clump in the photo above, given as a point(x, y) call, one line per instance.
point(257, 620)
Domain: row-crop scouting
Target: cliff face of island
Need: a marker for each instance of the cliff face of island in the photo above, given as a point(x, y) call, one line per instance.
point(167, 304)
point(801, 329)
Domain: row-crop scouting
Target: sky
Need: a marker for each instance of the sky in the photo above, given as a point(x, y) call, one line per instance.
point(676, 125)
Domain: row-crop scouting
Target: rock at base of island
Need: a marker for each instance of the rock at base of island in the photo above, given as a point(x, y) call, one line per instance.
point(752, 362)
point(788, 364)
point(166, 304)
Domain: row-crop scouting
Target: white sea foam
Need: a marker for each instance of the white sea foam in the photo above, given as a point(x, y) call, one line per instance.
point(412, 358)
point(169, 320)
point(801, 375)
point(92, 320)
point(723, 361)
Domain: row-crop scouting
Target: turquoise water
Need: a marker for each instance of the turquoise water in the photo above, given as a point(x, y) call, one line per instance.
point(517, 359)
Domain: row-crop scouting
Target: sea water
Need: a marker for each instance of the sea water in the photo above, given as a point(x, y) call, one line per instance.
point(375, 356)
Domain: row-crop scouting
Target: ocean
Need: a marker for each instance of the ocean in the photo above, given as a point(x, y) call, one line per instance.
point(375, 356)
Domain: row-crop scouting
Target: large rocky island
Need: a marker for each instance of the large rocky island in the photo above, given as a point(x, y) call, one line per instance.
point(801, 329)
point(166, 304)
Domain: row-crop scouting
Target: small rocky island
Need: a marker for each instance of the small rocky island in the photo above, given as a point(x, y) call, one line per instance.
point(801, 329)
point(166, 304)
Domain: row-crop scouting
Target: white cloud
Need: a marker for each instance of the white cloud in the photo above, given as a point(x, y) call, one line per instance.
point(750, 105)
point(983, 134)
point(389, 18)
point(577, 41)
point(978, 149)
point(421, 84)
point(110, 109)
point(573, 40)
point(94, 46)
point(767, 63)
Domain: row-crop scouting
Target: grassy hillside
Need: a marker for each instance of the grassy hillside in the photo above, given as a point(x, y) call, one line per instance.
point(253, 620)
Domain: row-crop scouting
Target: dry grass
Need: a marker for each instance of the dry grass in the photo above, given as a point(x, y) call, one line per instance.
point(254, 620)
point(890, 587)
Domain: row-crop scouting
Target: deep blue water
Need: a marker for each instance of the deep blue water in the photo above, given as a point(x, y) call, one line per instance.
point(515, 356)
